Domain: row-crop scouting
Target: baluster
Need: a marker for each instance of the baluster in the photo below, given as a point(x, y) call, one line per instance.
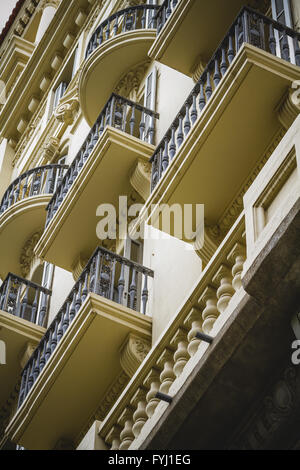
point(210, 312)
point(272, 40)
point(180, 135)
point(66, 321)
point(237, 256)
point(34, 307)
point(115, 28)
point(101, 125)
point(297, 50)
point(48, 347)
point(54, 337)
point(22, 388)
point(43, 355)
point(223, 62)
point(78, 297)
point(28, 367)
point(143, 19)
point(202, 100)
point(153, 383)
point(60, 331)
point(126, 436)
point(95, 137)
point(132, 121)
point(217, 76)
point(165, 160)
point(285, 47)
point(30, 378)
point(24, 303)
point(85, 290)
point(151, 130)
point(167, 376)
point(97, 272)
point(11, 197)
point(168, 9)
point(194, 323)
point(194, 113)
point(133, 290)
point(145, 295)
point(43, 310)
point(73, 308)
point(225, 291)
point(107, 34)
point(17, 193)
point(142, 126)
point(181, 356)
point(187, 122)
point(140, 417)
point(113, 438)
point(100, 40)
point(36, 370)
point(208, 89)
point(121, 285)
point(230, 49)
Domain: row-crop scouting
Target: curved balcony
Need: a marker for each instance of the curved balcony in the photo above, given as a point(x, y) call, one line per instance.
point(121, 138)
point(22, 212)
point(219, 136)
point(23, 314)
point(79, 356)
point(118, 44)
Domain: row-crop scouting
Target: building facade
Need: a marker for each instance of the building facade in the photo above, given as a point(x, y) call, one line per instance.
point(149, 225)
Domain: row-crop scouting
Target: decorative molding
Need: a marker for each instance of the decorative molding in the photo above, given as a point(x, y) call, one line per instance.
point(130, 82)
point(133, 353)
point(27, 254)
point(48, 3)
point(141, 178)
point(50, 149)
point(212, 239)
point(111, 396)
point(274, 410)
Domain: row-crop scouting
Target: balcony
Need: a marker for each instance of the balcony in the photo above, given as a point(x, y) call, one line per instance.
point(119, 44)
point(186, 37)
point(121, 137)
point(23, 314)
point(83, 352)
point(22, 212)
point(220, 135)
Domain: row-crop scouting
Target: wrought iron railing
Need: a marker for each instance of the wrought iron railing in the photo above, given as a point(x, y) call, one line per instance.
point(250, 27)
point(123, 21)
point(120, 113)
point(164, 13)
point(106, 274)
point(35, 182)
point(24, 299)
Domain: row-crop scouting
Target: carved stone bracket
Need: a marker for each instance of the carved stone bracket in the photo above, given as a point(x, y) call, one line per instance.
point(133, 352)
point(141, 178)
point(68, 107)
point(212, 238)
point(27, 254)
point(130, 83)
point(50, 149)
point(27, 353)
point(290, 106)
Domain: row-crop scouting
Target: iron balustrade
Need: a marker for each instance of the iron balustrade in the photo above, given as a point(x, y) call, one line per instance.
point(106, 274)
point(250, 27)
point(164, 13)
point(119, 113)
point(24, 299)
point(35, 182)
point(123, 21)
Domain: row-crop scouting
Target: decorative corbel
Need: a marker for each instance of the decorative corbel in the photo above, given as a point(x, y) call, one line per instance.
point(289, 108)
point(68, 107)
point(133, 352)
point(141, 178)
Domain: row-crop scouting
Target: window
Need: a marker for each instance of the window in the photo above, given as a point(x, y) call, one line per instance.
point(281, 12)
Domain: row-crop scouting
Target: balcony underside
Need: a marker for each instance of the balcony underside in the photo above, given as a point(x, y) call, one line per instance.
point(17, 225)
point(16, 333)
point(230, 137)
point(188, 36)
point(77, 376)
point(105, 67)
point(111, 163)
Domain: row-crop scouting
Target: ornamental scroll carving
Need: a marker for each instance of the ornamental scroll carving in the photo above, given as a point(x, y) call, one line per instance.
point(133, 353)
point(27, 254)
